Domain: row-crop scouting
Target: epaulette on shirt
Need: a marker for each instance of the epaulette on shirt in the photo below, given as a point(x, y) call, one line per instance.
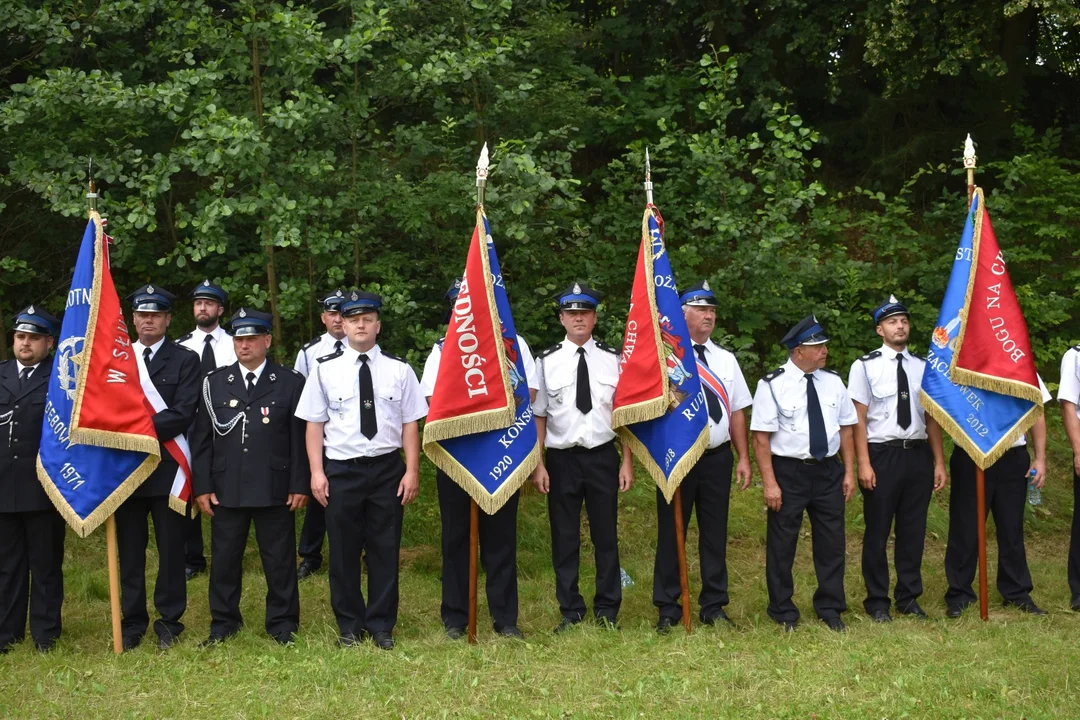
point(871, 355)
point(830, 370)
point(337, 353)
point(311, 343)
point(608, 348)
point(392, 357)
point(217, 370)
point(1076, 347)
point(296, 372)
point(440, 342)
point(773, 375)
point(187, 349)
point(553, 348)
point(186, 337)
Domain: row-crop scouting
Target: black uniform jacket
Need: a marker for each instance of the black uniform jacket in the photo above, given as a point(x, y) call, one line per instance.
point(20, 437)
point(259, 466)
point(174, 370)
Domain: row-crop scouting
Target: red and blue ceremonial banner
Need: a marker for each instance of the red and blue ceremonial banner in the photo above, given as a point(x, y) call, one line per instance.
point(980, 382)
point(659, 406)
point(98, 443)
point(480, 428)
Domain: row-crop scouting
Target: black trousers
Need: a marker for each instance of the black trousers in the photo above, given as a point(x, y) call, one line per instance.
point(194, 554)
point(817, 489)
point(275, 534)
point(1074, 544)
point(905, 482)
point(1006, 494)
point(706, 487)
point(31, 575)
point(312, 532)
point(590, 477)
point(170, 590)
point(364, 516)
point(498, 556)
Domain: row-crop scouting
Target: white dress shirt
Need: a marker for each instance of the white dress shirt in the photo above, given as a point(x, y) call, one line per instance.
point(309, 355)
point(1046, 397)
point(872, 382)
point(33, 368)
point(244, 373)
point(556, 397)
point(332, 396)
point(431, 367)
point(220, 341)
point(780, 408)
point(724, 365)
point(1069, 389)
point(140, 348)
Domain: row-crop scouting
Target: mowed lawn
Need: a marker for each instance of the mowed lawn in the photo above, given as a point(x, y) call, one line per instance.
point(1013, 666)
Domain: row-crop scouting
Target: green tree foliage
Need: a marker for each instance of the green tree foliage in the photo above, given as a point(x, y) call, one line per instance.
point(803, 153)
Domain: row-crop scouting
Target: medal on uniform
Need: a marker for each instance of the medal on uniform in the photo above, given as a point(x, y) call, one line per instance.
point(273, 377)
point(266, 415)
point(232, 403)
point(230, 378)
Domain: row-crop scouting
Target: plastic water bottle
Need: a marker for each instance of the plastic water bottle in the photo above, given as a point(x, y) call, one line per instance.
point(627, 581)
point(1034, 493)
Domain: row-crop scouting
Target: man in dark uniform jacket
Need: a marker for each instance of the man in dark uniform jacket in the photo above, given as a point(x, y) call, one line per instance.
point(31, 530)
point(174, 371)
point(250, 465)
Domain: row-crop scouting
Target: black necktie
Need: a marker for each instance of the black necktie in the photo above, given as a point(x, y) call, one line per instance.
point(24, 376)
point(716, 410)
point(337, 345)
point(251, 383)
point(903, 398)
point(819, 443)
point(368, 424)
point(208, 363)
point(584, 397)
point(146, 353)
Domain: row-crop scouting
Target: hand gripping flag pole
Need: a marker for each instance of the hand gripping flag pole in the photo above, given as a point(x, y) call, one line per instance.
point(980, 382)
point(98, 443)
point(480, 429)
point(659, 408)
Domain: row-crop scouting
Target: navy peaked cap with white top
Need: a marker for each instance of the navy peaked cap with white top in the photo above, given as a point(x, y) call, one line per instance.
point(454, 290)
point(151, 298)
point(35, 320)
point(357, 302)
point(700, 294)
point(579, 297)
point(807, 331)
point(888, 309)
point(332, 302)
point(209, 291)
point(247, 321)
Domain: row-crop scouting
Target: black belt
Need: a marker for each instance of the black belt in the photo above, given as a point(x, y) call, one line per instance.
point(719, 448)
point(804, 461)
point(583, 449)
point(367, 460)
point(902, 444)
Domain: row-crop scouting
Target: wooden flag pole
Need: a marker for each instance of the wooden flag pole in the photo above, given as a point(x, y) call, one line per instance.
point(474, 547)
point(114, 583)
point(680, 546)
point(980, 474)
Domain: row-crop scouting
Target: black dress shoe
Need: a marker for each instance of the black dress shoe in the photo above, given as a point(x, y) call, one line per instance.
point(348, 641)
point(664, 625)
point(1075, 607)
point(167, 641)
point(1027, 606)
point(456, 633)
point(913, 610)
point(836, 624)
point(880, 616)
point(788, 625)
point(190, 572)
point(307, 568)
point(955, 611)
point(45, 645)
point(130, 642)
point(564, 625)
point(383, 639)
point(719, 616)
point(285, 638)
point(212, 641)
point(510, 631)
point(608, 624)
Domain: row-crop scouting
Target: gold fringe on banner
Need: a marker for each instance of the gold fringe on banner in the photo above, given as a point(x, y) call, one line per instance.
point(188, 510)
point(983, 460)
point(83, 527)
point(648, 409)
point(486, 420)
point(962, 376)
point(489, 503)
point(685, 465)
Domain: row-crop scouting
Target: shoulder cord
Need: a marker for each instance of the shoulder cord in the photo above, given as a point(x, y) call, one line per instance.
point(225, 428)
point(5, 419)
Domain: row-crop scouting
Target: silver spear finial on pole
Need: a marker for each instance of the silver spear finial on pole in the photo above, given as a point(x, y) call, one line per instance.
point(969, 165)
point(91, 193)
point(481, 175)
point(648, 179)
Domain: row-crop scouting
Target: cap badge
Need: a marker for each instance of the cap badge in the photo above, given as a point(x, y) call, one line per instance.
point(242, 313)
point(150, 289)
point(30, 310)
point(893, 300)
point(337, 293)
point(705, 286)
point(354, 296)
point(577, 289)
point(206, 283)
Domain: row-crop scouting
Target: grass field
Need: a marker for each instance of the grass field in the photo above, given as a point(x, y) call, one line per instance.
point(1014, 666)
